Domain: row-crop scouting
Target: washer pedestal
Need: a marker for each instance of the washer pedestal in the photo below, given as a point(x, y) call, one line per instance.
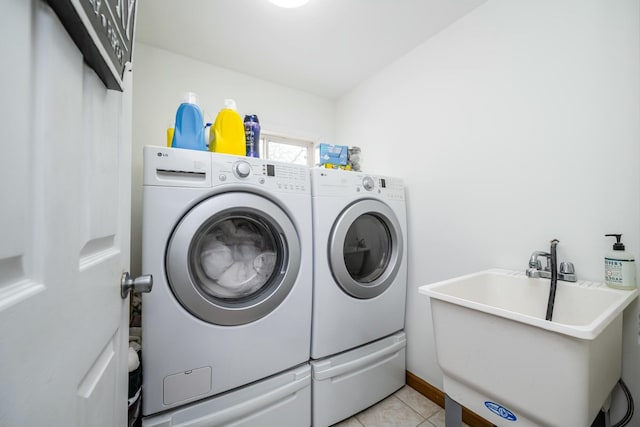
point(283, 400)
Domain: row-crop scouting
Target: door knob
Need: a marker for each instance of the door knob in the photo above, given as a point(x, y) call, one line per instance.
point(139, 284)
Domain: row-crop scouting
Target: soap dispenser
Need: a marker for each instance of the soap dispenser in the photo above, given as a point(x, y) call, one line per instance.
point(619, 266)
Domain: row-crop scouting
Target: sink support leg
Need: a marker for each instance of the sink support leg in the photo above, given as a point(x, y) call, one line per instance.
point(452, 412)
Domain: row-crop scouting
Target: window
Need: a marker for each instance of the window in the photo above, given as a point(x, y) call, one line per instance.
point(285, 149)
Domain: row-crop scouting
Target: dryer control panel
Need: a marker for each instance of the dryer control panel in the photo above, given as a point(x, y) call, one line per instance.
point(383, 187)
point(331, 182)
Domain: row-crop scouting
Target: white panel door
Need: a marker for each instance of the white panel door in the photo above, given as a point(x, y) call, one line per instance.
point(64, 229)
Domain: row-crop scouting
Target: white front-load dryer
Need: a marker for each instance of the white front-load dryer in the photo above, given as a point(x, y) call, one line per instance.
point(360, 264)
point(228, 241)
point(359, 289)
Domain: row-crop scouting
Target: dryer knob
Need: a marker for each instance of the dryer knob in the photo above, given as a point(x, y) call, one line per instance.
point(368, 183)
point(242, 169)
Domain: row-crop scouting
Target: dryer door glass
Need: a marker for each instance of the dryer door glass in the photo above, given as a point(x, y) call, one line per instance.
point(233, 258)
point(365, 249)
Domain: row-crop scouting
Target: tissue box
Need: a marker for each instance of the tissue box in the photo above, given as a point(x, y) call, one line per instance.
point(331, 154)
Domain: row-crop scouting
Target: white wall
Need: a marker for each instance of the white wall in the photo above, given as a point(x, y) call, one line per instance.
point(161, 77)
point(517, 124)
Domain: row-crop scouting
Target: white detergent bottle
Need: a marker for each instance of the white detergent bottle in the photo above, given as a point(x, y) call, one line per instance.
point(619, 266)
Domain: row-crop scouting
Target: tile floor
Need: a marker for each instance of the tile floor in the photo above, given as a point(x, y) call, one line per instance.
point(404, 408)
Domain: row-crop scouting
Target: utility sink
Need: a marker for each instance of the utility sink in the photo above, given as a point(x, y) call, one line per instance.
point(504, 361)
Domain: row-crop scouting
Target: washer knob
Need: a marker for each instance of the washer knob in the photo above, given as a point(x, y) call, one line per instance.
point(242, 169)
point(368, 183)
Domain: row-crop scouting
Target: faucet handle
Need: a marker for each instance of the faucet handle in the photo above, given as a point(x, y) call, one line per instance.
point(567, 272)
point(567, 268)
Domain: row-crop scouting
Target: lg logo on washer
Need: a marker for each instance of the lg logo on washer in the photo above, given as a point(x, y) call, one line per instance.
point(161, 154)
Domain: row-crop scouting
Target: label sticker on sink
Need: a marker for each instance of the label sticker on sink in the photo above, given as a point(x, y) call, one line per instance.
point(500, 411)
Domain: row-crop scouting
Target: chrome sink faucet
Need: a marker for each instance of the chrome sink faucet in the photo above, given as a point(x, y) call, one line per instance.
point(566, 272)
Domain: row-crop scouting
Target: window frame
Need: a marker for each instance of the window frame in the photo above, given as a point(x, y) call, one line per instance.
point(267, 137)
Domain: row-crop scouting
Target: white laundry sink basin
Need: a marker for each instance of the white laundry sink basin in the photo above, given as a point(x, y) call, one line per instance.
point(504, 361)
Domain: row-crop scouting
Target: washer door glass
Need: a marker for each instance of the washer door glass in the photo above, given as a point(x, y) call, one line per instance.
point(365, 249)
point(233, 258)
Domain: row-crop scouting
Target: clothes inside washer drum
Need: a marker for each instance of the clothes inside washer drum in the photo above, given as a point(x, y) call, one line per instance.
point(216, 258)
point(235, 261)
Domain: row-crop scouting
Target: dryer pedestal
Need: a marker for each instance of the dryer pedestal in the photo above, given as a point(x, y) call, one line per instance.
point(347, 383)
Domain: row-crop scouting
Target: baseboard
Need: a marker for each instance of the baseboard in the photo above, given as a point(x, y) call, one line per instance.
point(435, 395)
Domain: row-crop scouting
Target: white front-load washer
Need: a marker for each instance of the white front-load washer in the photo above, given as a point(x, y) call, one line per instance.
point(359, 289)
point(228, 241)
point(360, 264)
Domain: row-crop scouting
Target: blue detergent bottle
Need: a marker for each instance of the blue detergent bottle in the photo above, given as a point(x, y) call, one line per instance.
point(189, 129)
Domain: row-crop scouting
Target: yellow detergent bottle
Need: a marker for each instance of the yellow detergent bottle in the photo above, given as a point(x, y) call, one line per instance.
point(228, 131)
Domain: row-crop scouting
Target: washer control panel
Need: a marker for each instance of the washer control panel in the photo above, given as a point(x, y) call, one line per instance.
point(176, 167)
point(278, 176)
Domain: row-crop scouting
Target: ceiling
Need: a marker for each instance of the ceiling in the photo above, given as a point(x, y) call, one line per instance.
point(325, 48)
